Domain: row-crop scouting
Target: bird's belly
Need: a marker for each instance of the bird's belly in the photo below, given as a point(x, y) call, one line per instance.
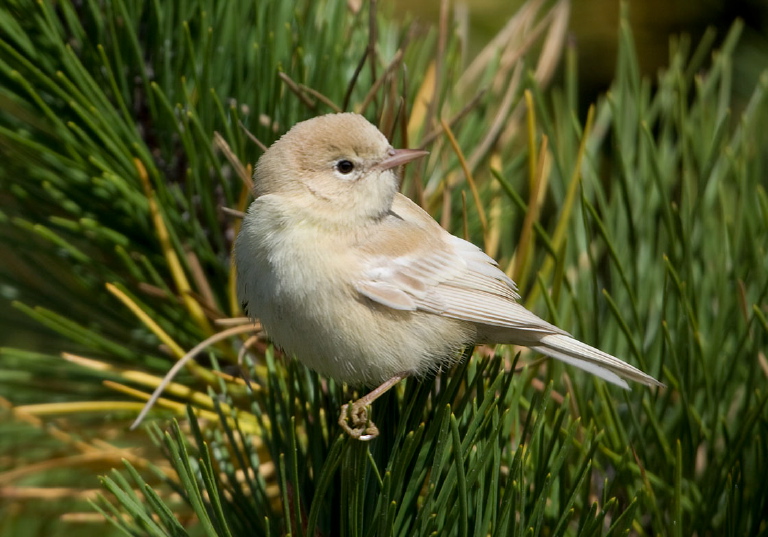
point(306, 301)
point(350, 339)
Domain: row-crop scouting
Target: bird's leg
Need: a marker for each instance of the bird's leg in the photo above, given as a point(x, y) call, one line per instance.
point(354, 416)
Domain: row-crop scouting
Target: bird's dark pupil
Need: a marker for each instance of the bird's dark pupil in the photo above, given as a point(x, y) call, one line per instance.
point(345, 166)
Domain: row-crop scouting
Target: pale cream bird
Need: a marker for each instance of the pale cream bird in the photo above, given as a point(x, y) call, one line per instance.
point(362, 285)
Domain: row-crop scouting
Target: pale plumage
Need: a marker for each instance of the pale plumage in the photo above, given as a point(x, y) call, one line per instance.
point(455, 279)
point(359, 282)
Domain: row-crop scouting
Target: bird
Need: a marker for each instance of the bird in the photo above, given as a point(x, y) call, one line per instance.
point(362, 285)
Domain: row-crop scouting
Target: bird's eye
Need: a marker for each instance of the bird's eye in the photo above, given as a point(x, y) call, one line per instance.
point(345, 166)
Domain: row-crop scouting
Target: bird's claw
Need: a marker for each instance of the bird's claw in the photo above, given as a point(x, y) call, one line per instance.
point(354, 420)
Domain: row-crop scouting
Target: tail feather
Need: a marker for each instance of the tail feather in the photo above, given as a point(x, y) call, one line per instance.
point(592, 360)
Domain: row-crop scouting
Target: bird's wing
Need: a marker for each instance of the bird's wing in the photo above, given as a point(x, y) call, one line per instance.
point(426, 268)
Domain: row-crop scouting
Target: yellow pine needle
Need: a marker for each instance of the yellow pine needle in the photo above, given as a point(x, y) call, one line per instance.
point(464, 214)
point(245, 420)
point(43, 467)
point(470, 178)
point(139, 377)
point(144, 379)
point(95, 449)
point(237, 321)
point(495, 213)
point(76, 407)
point(233, 380)
point(187, 359)
point(176, 349)
point(51, 494)
point(527, 237)
point(445, 218)
point(150, 323)
point(562, 224)
point(174, 264)
point(206, 293)
point(52, 430)
point(533, 158)
point(81, 518)
point(421, 103)
point(179, 390)
point(88, 362)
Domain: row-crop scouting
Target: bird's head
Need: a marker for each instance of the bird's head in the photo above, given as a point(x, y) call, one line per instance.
point(338, 166)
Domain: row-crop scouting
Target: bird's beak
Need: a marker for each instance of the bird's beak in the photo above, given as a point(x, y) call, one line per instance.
point(398, 157)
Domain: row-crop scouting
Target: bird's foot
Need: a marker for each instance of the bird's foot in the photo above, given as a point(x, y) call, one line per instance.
point(355, 422)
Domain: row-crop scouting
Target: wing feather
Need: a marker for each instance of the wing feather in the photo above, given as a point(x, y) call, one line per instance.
point(452, 277)
point(386, 294)
point(426, 268)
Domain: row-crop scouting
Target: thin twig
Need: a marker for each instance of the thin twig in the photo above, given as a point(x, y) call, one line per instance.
point(221, 144)
point(322, 98)
point(376, 85)
point(470, 179)
point(294, 87)
point(215, 338)
point(232, 212)
point(527, 236)
point(432, 136)
point(514, 28)
point(373, 36)
point(501, 118)
point(442, 38)
point(253, 138)
point(353, 80)
point(233, 321)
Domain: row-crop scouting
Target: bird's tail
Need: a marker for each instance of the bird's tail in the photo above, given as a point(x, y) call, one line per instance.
point(595, 361)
